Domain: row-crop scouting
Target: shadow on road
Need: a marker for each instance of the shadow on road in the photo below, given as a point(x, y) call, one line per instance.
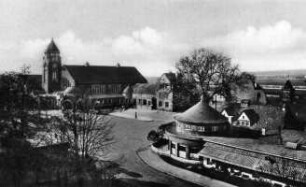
point(137, 183)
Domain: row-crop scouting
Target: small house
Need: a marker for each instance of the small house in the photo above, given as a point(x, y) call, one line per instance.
point(231, 112)
point(247, 118)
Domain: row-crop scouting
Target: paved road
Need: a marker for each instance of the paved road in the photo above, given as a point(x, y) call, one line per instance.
point(130, 135)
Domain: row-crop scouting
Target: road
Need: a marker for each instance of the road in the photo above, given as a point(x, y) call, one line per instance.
point(130, 135)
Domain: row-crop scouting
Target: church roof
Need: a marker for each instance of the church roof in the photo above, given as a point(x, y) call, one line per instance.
point(201, 113)
point(105, 74)
point(52, 48)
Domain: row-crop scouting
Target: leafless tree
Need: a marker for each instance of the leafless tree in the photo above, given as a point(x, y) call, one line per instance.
point(90, 136)
point(88, 133)
point(284, 168)
point(211, 71)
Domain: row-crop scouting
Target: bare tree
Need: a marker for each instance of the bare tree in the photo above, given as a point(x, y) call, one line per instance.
point(284, 168)
point(90, 136)
point(88, 133)
point(210, 71)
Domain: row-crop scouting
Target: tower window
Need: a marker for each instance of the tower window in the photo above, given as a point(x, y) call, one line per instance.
point(54, 72)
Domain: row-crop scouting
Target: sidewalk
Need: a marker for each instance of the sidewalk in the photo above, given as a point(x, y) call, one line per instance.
point(130, 116)
point(145, 115)
point(153, 160)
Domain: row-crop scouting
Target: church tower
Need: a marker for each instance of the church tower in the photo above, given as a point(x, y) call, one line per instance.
point(51, 77)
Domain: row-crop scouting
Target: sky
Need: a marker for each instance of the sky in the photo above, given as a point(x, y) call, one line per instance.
point(152, 35)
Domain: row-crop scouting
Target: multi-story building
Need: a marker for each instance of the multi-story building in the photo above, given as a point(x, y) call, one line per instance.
point(165, 92)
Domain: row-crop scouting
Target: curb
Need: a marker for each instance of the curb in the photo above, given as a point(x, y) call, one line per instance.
point(164, 172)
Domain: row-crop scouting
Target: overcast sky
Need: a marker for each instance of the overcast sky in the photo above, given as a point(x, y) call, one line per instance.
point(153, 34)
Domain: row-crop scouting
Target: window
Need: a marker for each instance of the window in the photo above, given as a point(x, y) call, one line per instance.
point(172, 145)
point(214, 128)
point(181, 148)
point(201, 129)
point(160, 103)
point(103, 89)
point(187, 127)
point(166, 104)
point(149, 102)
point(144, 102)
point(139, 101)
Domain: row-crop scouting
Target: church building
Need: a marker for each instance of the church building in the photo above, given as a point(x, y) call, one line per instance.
point(104, 85)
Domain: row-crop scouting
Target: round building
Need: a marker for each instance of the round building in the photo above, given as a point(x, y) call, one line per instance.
point(201, 119)
point(184, 135)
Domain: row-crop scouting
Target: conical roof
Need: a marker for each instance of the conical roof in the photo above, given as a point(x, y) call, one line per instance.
point(201, 113)
point(52, 48)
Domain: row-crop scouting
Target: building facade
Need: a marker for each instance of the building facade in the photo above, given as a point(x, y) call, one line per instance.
point(165, 92)
point(145, 96)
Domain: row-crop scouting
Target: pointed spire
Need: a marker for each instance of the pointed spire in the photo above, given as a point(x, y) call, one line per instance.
point(52, 48)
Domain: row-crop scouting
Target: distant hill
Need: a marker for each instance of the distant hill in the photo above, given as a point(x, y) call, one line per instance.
point(281, 73)
point(297, 77)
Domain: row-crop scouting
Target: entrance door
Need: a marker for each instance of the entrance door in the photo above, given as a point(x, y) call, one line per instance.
point(154, 103)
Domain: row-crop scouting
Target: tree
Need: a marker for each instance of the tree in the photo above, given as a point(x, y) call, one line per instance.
point(185, 92)
point(17, 155)
point(281, 167)
point(153, 136)
point(90, 137)
point(211, 72)
point(88, 133)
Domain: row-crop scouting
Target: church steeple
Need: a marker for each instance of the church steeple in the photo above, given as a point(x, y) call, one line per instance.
point(52, 48)
point(51, 78)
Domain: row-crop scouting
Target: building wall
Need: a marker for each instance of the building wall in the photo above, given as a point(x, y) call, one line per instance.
point(165, 100)
point(144, 101)
point(67, 80)
point(200, 129)
point(248, 92)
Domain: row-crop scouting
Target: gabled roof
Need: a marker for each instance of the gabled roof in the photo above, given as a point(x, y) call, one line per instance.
point(201, 113)
point(145, 89)
point(257, 86)
point(252, 115)
point(170, 76)
point(52, 48)
point(105, 74)
point(233, 109)
point(288, 86)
